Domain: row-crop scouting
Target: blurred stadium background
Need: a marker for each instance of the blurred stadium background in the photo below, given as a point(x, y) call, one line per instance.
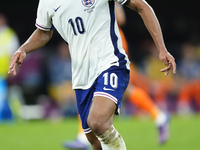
point(44, 112)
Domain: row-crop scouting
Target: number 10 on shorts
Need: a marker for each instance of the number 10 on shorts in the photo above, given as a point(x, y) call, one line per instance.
point(113, 80)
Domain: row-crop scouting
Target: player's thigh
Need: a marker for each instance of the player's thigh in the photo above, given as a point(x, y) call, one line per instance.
point(102, 109)
point(101, 114)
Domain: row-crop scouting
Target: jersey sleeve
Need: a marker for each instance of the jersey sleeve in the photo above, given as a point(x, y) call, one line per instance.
point(43, 20)
point(122, 2)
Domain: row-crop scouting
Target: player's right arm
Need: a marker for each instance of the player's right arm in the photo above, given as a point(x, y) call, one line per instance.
point(37, 40)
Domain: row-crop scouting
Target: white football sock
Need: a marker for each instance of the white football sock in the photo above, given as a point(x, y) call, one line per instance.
point(112, 140)
point(161, 119)
point(82, 138)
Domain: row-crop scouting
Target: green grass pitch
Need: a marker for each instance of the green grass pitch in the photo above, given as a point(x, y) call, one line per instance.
point(139, 134)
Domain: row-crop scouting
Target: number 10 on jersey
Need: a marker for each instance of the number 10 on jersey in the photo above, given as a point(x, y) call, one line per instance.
point(77, 25)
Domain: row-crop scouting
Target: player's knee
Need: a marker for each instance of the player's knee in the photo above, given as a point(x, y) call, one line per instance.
point(95, 125)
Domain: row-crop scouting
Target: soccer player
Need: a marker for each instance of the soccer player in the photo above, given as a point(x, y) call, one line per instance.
point(137, 96)
point(100, 66)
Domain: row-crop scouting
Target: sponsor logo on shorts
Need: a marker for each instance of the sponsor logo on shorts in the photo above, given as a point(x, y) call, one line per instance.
point(107, 89)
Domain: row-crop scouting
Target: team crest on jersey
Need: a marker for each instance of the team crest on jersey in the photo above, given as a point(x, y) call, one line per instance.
point(88, 3)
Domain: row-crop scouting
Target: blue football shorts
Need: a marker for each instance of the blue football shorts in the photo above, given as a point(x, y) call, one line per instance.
point(111, 84)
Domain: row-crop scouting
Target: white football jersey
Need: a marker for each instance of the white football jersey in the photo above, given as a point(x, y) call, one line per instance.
point(90, 29)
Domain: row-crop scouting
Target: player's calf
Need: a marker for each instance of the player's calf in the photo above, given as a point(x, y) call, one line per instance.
point(96, 145)
point(111, 139)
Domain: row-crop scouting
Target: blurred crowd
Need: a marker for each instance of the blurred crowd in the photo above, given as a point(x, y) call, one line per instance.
point(42, 88)
point(176, 93)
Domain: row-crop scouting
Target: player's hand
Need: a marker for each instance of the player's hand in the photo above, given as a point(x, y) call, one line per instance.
point(168, 61)
point(17, 59)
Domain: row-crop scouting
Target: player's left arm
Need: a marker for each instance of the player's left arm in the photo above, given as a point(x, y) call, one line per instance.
point(151, 22)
